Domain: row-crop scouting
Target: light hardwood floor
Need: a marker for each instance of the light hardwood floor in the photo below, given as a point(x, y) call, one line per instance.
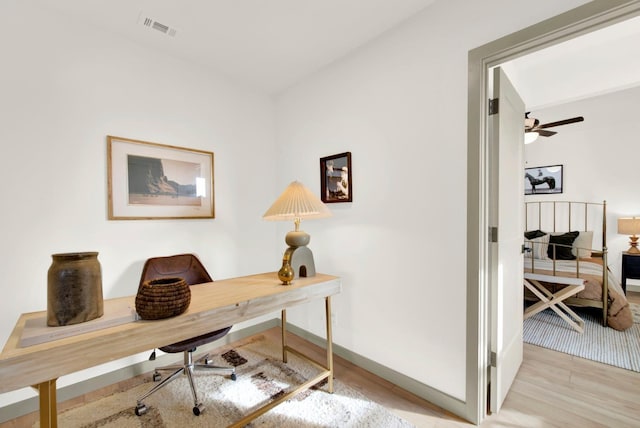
point(551, 389)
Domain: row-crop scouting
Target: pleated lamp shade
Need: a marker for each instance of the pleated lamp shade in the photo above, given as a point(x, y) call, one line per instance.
point(295, 203)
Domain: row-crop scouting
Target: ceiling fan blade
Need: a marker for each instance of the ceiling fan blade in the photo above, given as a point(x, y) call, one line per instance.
point(561, 122)
point(545, 133)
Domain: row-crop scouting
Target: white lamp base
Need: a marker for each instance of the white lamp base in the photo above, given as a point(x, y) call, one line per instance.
point(301, 261)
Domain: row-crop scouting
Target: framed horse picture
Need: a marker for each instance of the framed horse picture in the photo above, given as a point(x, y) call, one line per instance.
point(543, 180)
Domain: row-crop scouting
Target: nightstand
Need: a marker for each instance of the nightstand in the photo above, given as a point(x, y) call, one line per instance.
point(630, 268)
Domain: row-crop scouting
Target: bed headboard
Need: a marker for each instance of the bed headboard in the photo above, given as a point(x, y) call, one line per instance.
point(565, 216)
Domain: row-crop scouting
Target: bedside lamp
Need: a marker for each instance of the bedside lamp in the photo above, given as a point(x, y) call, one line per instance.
point(296, 203)
point(630, 226)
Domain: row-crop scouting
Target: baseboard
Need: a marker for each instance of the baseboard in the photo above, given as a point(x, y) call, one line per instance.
point(633, 287)
point(426, 392)
point(30, 405)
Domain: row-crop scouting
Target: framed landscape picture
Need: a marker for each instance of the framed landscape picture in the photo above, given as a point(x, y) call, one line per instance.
point(335, 178)
point(156, 181)
point(543, 180)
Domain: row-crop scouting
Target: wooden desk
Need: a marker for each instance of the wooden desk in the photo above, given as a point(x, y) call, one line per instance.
point(213, 306)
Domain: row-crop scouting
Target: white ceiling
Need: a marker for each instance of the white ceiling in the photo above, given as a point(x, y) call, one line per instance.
point(267, 44)
point(603, 61)
point(272, 44)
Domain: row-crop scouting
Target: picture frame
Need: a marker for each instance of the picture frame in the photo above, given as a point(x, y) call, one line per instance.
point(148, 181)
point(336, 184)
point(543, 180)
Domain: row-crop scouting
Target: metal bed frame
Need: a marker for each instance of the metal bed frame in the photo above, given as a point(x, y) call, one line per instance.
point(567, 210)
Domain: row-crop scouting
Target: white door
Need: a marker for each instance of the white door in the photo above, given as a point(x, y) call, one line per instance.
point(506, 188)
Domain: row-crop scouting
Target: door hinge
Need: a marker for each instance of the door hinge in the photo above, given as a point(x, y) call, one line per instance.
point(493, 234)
point(493, 359)
point(494, 105)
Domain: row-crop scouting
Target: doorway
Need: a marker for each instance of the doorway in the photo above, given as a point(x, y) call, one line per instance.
point(572, 24)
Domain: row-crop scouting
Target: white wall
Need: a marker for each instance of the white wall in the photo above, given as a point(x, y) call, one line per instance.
point(599, 155)
point(64, 87)
point(399, 105)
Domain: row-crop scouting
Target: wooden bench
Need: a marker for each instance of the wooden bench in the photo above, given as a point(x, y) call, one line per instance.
point(554, 300)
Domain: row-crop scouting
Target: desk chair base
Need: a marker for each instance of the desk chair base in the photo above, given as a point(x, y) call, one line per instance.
point(187, 368)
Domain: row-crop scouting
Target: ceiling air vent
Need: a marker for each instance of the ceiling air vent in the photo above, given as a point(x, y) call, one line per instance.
point(152, 23)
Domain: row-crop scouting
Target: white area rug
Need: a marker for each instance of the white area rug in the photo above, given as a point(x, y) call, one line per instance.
point(261, 376)
point(597, 343)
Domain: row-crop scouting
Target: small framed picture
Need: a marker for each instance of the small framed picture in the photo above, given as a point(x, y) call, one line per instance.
point(335, 178)
point(157, 181)
point(541, 180)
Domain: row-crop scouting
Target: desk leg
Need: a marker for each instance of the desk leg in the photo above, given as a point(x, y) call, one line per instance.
point(48, 406)
point(283, 328)
point(329, 344)
point(325, 372)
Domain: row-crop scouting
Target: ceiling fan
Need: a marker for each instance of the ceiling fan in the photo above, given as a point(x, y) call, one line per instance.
point(533, 128)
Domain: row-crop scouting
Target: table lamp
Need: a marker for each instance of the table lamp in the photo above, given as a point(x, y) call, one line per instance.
point(296, 203)
point(630, 226)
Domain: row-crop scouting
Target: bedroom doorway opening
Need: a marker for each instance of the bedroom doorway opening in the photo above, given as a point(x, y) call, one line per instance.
point(480, 312)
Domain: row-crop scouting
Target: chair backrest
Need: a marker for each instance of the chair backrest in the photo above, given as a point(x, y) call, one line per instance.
point(186, 266)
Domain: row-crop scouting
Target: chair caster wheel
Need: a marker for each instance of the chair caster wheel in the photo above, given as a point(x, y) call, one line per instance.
point(157, 377)
point(233, 376)
point(198, 409)
point(141, 409)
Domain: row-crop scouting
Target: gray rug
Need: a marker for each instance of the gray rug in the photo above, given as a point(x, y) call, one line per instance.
point(597, 343)
point(261, 376)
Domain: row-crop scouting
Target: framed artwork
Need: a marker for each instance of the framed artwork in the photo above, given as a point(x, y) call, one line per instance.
point(335, 178)
point(541, 180)
point(157, 181)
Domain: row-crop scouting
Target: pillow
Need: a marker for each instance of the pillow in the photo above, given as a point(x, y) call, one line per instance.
point(562, 251)
point(582, 244)
point(531, 234)
point(537, 247)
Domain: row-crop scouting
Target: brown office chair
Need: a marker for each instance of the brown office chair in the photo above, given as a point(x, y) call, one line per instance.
point(186, 266)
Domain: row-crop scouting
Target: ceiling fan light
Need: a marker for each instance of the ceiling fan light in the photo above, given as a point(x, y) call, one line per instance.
point(530, 137)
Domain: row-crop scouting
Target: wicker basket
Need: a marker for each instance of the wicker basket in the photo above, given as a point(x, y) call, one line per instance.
point(162, 298)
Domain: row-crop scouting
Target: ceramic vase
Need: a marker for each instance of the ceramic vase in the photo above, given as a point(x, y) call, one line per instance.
point(74, 289)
